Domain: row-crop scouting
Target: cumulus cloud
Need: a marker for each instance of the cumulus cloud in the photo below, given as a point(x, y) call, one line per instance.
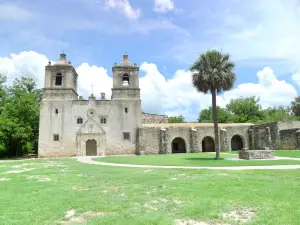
point(270, 90)
point(125, 6)
point(163, 5)
point(27, 64)
point(173, 96)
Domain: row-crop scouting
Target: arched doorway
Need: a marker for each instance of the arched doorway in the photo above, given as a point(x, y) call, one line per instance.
point(236, 143)
point(91, 147)
point(208, 145)
point(178, 145)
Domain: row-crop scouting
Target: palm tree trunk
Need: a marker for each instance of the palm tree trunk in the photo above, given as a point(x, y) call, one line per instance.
point(215, 119)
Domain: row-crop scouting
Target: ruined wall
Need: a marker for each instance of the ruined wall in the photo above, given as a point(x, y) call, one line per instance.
point(264, 135)
point(288, 139)
point(148, 118)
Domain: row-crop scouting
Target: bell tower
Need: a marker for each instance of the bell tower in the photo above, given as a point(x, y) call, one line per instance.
point(125, 80)
point(60, 80)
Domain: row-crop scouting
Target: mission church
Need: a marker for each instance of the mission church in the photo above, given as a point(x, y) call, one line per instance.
point(72, 126)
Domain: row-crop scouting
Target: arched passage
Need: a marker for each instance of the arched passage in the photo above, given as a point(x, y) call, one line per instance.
point(91, 147)
point(178, 145)
point(236, 143)
point(208, 145)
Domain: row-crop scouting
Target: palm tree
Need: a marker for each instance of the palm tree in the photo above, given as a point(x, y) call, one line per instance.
point(213, 72)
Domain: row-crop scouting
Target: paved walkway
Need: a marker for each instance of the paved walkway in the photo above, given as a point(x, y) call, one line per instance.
point(89, 160)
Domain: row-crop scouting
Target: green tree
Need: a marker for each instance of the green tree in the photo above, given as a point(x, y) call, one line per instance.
point(213, 72)
point(274, 114)
point(176, 119)
point(245, 110)
point(19, 118)
point(295, 106)
point(223, 116)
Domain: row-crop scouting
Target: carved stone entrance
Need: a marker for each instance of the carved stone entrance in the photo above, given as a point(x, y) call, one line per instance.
point(91, 147)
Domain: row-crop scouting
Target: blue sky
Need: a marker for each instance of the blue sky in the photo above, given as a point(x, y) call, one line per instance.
point(164, 37)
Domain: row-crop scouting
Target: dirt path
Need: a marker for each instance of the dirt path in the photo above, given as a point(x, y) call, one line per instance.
point(88, 160)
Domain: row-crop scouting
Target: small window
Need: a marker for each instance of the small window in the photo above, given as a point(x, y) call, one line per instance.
point(55, 137)
point(126, 136)
point(56, 111)
point(126, 110)
point(103, 120)
point(79, 120)
point(58, 79)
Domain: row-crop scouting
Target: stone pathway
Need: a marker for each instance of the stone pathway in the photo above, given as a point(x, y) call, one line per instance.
point(89, 160)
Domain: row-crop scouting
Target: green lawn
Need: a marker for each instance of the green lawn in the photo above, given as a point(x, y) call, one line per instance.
point(288, 153)
point(192, 159)
point(139, 196)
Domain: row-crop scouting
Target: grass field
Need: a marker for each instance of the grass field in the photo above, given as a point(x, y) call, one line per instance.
point(289, 153)
point(193, 159)
point(42, 191)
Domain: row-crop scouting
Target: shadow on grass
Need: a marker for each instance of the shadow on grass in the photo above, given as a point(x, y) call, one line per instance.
point(203, 159)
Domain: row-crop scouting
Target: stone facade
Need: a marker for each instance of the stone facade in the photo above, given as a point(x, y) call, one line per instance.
point(72, 126)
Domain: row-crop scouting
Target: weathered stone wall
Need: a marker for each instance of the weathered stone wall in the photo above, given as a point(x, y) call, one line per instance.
point(288, 139)
point(148, 118)
point(256, 154)
point(148, 140)
point(264, 135)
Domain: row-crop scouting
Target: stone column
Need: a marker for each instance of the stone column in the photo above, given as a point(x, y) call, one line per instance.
point(225, 146)
point(194, 141)
point(298, 138)
point(163, 142)
point(251, 139)
point(268, 138)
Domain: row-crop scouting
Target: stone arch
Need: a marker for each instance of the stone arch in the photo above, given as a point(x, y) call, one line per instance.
point(237, 142)
point(58, 79)
point(178, 145)
point(208, 144)
point(91, 147)
point(125, 79)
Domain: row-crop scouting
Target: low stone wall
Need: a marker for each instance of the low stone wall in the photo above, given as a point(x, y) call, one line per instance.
point(256, 154)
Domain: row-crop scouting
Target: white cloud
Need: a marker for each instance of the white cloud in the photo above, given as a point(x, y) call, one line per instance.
point(28, 64)
point(173, 96)
point(296, 78)
point(93, 75)
point(163, 5)
point(125, 6)
point(14, 12)
point(270, 90)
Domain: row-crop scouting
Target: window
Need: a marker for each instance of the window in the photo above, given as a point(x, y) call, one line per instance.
point(126, 110)
point(125, 79)
point(103, 120)
point(79, 120)
point(55, 137)
point(58, 79)
point(126, 136)
point(56, 111)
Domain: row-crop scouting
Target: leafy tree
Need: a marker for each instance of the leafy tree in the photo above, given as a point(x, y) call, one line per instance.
point(245, 110)
point(275, 114)
point(223, 116)
point(296, 106)
point(19, 118)
point(2, 90)
point(176, 119)
point(213, 72)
